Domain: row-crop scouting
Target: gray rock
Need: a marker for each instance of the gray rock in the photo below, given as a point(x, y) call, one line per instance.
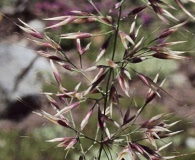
point(190, 142)
point(22, 74)
point(37, 24)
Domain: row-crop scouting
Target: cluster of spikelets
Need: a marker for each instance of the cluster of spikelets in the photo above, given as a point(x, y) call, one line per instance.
point(111, 75)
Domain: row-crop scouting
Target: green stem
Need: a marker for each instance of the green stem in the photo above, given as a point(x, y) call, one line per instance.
point(94, 141)
point(80, 134)
point(67, 60)
point(116, 33)
point(101, 148)
point(113, 55)
point(99, 89)
point(81, 148)
point(101, 34)
point(110, 74)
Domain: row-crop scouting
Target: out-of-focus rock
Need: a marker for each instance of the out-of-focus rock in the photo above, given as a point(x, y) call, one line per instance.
point(18, 109)
point(22, 76)
point(190, 142)
point(37, 24)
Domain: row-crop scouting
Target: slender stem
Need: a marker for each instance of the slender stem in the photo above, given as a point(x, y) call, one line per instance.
point(106, 153)
point(73, 123)
point(107, 88)
point(139, 112)
point(80, 59)
point(109, 148)
point(91, 2)
point(113, 55)
point(99, 89)
point(62, 53)
point(66, 154)
point(101, 148)
point(72, 119)
point(81, 148)
point(135, 130)
point(110, 74)
point(100, 34)
point(80, 134)
point(94, 141)
point(116, 33)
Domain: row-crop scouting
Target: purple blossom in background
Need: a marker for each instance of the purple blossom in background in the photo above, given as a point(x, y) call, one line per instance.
point(59, 7)
point(146, 19)
point(53, 8)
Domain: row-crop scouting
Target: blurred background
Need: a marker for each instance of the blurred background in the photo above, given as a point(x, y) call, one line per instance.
point(24, 75)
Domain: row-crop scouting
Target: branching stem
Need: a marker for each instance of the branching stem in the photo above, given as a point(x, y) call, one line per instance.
point(110, 74)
